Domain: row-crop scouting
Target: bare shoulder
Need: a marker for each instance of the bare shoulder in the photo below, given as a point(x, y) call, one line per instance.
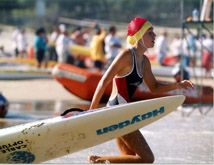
point(121, 64)
point(123, 56)
point(124, 53)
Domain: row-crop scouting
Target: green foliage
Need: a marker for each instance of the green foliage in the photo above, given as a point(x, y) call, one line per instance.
point(160, 12)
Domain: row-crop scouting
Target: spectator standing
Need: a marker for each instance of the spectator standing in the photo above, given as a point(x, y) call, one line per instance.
point(175, 46)
point(22, 43)
point(207, 53)
point(52, 44)
point(80, 36)
point(40, 44)
point(191, 41)
point(112, 45)
point(161, 47)
point(15, 34)
point(97, 48)
point(185, 55)
point(62, 46)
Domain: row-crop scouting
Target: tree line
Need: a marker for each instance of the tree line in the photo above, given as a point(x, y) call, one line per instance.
point(159, 12)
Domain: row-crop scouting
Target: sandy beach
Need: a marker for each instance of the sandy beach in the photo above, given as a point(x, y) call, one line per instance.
point(36, 89)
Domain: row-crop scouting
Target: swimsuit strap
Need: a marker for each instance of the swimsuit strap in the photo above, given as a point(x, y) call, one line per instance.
point(135, 62)
point(134, 58)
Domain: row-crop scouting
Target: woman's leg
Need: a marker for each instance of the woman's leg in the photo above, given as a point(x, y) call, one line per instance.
point(133, 148)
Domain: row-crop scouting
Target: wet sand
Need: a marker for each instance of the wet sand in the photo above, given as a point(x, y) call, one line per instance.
point(184, 136)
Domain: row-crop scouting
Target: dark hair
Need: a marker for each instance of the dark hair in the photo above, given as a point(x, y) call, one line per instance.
point(112, 29)
point(40, 30)
point(97, 30)
point(78, 28)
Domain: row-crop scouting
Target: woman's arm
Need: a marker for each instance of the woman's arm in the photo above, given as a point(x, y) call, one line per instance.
point(117, 65)
point(156, 86)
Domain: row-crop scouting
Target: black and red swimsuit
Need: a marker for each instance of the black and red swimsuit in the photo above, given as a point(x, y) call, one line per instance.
point(127, 85)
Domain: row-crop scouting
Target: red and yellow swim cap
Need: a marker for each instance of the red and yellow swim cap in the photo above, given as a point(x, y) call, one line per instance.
point(136, 29)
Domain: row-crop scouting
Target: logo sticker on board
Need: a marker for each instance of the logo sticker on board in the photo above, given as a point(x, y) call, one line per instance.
point(20, 157)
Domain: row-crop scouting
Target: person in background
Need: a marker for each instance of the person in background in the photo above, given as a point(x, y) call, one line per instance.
point(184, 53)
point(179, 71)
point(40, 46)
point(15, 34)
point(112, 45)
point(191, 41)
point(184, 49)
point(52, 44)
point(62, 46)
point(175, 46)
point(79, 36)
point(22, 44)
point(129, 69)
point(97, 48)
point(161, 47)
point(207, 53)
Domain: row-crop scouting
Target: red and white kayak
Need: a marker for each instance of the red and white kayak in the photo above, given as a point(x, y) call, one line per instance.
point(82, 83)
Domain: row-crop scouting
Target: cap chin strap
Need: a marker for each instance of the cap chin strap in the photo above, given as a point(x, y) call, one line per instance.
point(141, 41)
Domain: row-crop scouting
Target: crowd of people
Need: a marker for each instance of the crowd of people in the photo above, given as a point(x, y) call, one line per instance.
point(186, 49)
point(104, 46)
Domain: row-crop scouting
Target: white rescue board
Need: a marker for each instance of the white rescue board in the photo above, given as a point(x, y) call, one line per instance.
point(47, 139)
